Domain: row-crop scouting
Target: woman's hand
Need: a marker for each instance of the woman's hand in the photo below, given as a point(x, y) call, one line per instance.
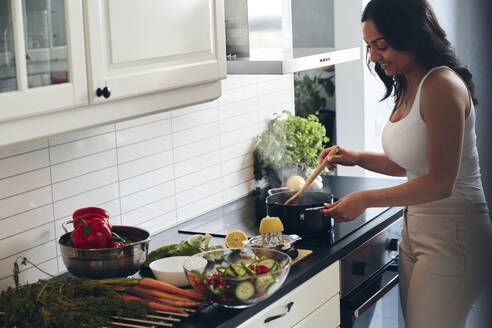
point(344, 157)
point(346, 209)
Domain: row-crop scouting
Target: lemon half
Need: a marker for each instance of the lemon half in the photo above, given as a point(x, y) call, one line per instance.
point(235, 238)
point(271, 224)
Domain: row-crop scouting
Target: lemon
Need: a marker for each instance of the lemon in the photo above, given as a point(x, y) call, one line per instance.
point(295, 182)
point(271, 224)
point(235, 238)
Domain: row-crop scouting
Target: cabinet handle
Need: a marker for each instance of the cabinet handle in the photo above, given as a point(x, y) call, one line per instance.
point(392, 244)
point(105, 92)
point(288, 306)
point(376, 297)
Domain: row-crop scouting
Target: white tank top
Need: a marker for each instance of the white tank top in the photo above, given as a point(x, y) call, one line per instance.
point(405, 143)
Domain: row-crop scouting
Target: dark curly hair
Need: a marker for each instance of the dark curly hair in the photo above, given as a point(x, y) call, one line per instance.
point(412, 26)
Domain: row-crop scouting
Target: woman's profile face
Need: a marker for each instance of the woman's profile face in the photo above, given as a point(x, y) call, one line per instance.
point(392, 61)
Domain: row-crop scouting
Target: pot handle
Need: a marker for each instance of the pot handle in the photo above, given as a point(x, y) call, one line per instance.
point(64, 225)
point(276, 190)
point(317, 208)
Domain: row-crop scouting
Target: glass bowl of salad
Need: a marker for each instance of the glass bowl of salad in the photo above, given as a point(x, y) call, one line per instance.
point(238, 278)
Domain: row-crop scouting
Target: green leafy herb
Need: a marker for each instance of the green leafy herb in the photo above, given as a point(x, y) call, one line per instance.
point(290, 145)
point(67, 303)
point(195, 244)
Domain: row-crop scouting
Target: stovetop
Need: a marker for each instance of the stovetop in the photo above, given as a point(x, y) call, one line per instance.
point(246, 213)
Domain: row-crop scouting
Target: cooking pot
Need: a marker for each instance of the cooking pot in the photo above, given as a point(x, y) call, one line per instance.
point(106, 262)
point(302, 216)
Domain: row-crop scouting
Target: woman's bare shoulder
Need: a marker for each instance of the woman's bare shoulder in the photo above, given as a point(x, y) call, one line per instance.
point(444, 90)
point(444, 81)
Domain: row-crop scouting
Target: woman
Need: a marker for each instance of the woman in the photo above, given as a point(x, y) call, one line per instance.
point(446, 241)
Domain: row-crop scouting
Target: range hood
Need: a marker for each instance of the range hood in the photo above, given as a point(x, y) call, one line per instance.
point(283, 36)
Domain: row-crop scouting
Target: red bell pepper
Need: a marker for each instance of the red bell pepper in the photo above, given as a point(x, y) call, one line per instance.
point(89, 213)
point(262, 269)
point(94, 233)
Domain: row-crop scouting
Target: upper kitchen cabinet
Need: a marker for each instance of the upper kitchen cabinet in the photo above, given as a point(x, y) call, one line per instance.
point(286, 36)
point(72, 64)
point(42, 60)
point(139, 47)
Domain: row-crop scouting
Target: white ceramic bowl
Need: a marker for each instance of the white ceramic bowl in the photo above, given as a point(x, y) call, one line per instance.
point(170, 270)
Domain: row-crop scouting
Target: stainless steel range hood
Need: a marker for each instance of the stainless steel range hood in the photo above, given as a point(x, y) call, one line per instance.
point(282, 36)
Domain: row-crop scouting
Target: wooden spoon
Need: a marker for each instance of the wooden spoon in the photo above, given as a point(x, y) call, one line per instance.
point(313, 175)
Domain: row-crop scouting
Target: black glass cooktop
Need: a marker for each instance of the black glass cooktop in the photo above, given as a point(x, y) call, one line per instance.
point(246, 213)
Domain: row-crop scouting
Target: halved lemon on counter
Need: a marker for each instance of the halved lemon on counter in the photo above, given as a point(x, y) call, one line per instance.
point(235, 238)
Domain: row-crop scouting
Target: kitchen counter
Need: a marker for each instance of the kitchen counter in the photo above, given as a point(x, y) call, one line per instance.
point(243, 214)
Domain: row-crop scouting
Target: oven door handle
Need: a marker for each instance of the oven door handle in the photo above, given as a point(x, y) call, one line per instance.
point(376, 297)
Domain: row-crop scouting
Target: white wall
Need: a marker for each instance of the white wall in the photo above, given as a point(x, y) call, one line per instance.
point(152, 172)
point(349, 83)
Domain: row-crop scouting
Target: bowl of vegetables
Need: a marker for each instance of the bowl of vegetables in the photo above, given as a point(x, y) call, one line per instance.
point(238, 278)
point(96, 249)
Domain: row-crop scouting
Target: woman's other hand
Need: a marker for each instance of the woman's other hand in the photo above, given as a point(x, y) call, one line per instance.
point(344, 157)
point(346, 209)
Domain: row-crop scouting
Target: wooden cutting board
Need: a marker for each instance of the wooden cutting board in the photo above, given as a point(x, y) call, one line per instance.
point(303, 253)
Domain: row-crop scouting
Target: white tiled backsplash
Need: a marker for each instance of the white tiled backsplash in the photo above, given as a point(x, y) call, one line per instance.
point(152, 172)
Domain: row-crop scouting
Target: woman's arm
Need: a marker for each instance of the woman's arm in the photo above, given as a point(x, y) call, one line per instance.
point(444, 102)
point(380, 163)
point(375, 162)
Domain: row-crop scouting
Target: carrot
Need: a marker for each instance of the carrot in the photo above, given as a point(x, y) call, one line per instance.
point(165, 287)
point(147, 295)
point(158, 293)
point(181, 304)
point(153, 305)
point(128, 297)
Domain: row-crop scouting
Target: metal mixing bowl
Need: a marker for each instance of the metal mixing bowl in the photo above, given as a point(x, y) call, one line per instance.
point(107, 262)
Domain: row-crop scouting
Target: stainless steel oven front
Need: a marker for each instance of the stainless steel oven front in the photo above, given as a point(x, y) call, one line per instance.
point(369, 282)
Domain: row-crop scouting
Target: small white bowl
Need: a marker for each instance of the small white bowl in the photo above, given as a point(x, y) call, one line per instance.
point(170, 270)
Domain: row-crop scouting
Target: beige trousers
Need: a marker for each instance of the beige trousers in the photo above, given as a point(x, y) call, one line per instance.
point(445, 262)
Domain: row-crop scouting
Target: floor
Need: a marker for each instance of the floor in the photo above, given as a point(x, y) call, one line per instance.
point(481, 314)
point(384, 315)
point(387, 313)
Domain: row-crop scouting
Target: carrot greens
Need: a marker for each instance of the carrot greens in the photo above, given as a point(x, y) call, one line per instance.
point(67, 303)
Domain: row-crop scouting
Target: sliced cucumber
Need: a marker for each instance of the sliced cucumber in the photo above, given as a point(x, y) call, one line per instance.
point(220, 290)
point(245, 267)
point(272, 288)
point(238, 270)
point(244, 290)
point(221, 269)
point(262, 283)
point(229, 272)
point(268, 263)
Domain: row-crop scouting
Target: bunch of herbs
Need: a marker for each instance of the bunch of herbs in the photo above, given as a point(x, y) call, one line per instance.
point(66, 303)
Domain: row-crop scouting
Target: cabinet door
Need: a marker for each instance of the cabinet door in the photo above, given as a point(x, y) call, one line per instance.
point(327, 315)
point(319, 292)
point(42, 60)
point(139, 47)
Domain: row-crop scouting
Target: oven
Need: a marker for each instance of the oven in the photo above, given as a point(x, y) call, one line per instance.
point(369, 282)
